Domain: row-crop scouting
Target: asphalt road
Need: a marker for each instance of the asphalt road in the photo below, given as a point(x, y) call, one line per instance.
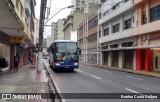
point(89, 79)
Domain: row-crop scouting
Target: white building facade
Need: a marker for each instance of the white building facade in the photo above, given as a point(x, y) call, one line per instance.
point(117, 18)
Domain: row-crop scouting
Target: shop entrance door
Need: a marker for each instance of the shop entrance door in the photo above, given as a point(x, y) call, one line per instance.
point(157, 63)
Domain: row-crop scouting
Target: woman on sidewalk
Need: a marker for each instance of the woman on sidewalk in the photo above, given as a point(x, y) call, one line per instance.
point(33, 60)
point(16, 62)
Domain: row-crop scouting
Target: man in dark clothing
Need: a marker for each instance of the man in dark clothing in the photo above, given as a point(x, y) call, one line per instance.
point(16, 62)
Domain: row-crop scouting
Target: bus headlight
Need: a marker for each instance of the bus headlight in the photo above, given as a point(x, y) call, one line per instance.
point(57, 64)
point(76, 64)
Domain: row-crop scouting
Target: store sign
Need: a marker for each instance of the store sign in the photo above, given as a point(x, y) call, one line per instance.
point(154, 36)
point(17, 40)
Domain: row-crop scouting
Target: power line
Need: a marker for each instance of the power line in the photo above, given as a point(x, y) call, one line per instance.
point(46, 32)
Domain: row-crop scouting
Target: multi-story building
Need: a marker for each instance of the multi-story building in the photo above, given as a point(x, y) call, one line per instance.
point(49, 41)
point(68, 27)
point(71, 23)
point(117, 18)
point(59, 34)
point(53, 31)
point(87, 39)
point(148, 35)
point(16, 29)
point(80, 4)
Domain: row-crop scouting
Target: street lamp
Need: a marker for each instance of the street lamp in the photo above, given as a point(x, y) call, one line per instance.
point(58, 12)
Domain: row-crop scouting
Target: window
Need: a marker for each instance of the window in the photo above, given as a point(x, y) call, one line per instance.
point(155, 13)
point(116, 28)
point(116, 6)
point(93, 22)
point(106, 31)
point(127, 24)
point(99, 34)
point(114, 46)
point(92, 38)
point(144, 18)
point(105, 13)
point(127, 44)
point(81, 30)
point(80, 42)
point(100, 16)
point(126, 0)
point(104, 47)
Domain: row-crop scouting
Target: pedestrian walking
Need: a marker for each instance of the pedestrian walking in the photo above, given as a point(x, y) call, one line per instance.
point(33, 60)
point(16, 62)
point(30, 59)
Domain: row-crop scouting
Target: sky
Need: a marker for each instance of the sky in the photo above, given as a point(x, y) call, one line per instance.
point(56, 5)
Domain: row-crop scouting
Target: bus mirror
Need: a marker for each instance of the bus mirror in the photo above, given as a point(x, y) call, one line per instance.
point(79, 51)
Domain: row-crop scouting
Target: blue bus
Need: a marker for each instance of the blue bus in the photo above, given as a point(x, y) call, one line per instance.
point(64, 54)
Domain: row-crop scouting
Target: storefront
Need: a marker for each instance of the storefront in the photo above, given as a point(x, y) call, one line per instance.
point(5, 52)
point(105, 58)
point(148, 59)
point(115, 60)
point(154, 39)
point(156, 59)
point(5, 49)
point(128, 57)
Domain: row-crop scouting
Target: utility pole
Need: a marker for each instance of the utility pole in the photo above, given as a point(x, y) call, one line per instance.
point(41, 29)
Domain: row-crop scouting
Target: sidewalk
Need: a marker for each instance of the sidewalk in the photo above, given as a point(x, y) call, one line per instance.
point(141, 72)
point(27, 80)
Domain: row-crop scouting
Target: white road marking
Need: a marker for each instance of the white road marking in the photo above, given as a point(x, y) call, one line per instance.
point(131, 90)
point(79, 71)
point(134, 77)
point(95, 77)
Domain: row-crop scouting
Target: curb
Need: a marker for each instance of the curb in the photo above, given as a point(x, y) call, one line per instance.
point(57, 90)
point(122, 70)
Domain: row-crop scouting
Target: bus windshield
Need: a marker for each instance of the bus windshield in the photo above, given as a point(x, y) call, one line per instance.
point(67, 51)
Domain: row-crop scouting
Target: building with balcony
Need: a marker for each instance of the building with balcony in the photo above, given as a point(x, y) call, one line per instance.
point(71, 23)
point(15, 33)
point(117, 18)
point(147, 32)
point(87, 39)
point(81, 4)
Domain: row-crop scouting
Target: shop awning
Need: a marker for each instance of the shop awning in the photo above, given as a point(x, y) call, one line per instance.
point(131, 48)
point(8, 17)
